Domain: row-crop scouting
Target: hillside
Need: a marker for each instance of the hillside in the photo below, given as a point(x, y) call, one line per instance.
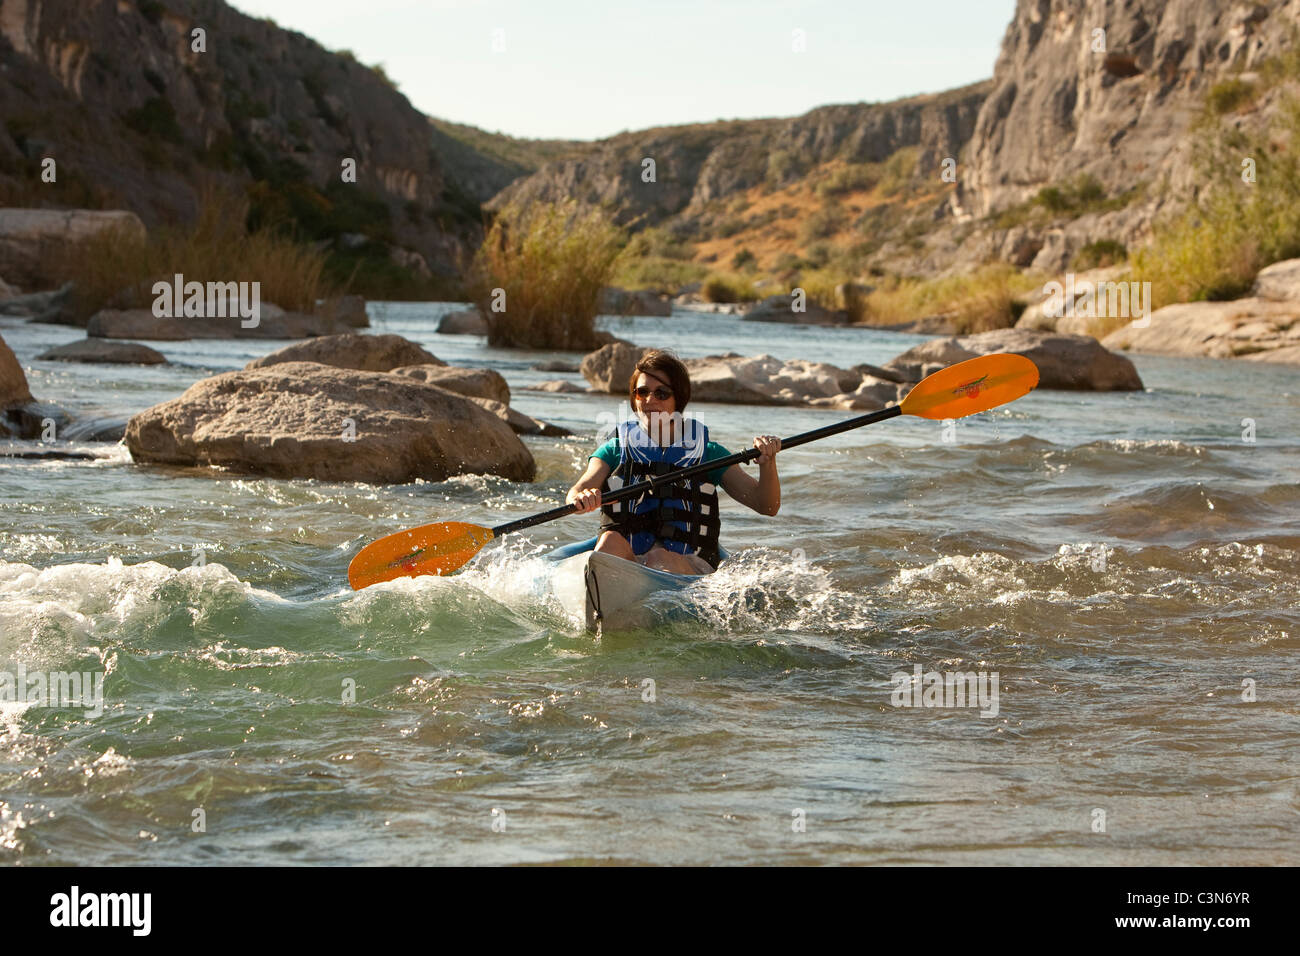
point(140, 114)
point(828, 183)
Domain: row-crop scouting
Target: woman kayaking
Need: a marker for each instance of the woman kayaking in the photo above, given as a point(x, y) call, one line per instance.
point(675, 528)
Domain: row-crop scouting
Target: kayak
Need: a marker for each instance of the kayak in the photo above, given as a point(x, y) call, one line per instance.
point(607, 592)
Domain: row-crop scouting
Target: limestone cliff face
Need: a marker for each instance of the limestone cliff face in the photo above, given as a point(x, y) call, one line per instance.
point(139, 113)
point(698, 164)
point(1068, 99)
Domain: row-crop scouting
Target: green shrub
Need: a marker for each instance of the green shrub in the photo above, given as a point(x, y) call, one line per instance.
point(898, 170)
point(151, 10)
point(1214, 249)
point(551, 261)
point(728, 288)
point(657, 273)
point(859, 177)
point(823, 223)
point(1103, 252)
point(1230, 95)
point(155, 119)
point(743, 259)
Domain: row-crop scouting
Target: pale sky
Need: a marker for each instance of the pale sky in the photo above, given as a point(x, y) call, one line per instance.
point(586, 69)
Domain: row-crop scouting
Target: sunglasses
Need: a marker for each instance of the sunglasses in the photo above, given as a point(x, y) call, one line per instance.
point(661, 393)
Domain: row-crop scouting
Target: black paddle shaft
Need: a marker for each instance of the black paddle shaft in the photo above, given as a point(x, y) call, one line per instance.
point(632, 491)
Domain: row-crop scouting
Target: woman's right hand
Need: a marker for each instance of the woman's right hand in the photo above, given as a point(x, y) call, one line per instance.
point(587, 500)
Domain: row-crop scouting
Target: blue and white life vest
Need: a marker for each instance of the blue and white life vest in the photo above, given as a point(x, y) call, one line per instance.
point(681, 515)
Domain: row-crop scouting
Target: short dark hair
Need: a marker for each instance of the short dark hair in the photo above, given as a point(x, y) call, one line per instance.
point(662, 364)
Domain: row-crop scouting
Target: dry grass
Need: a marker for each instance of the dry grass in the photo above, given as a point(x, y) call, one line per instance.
point(1213, 250)
point(551, 263)
point(117, 270)
point(975, 302)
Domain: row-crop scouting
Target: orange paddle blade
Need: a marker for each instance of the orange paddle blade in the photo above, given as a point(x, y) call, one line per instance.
point(975, 385)
point(429, 549)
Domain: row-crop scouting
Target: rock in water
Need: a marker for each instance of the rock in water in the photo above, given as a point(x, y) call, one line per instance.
point(616, 301)
point(610, 366)
point(304, 420)
point(366, 353)
point(13, 380)
point(348, 309)
point(1259, 329)
point(467, 322)
point(104, 350)
point(1064, 361)
point(779, 308)
point(471, 382)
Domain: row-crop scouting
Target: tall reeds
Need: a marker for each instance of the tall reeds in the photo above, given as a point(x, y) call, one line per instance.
point(538, 275)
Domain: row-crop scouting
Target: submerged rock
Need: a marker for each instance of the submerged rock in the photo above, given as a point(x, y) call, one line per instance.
point(102, 350)
point(467, 322)
point(273, 323)
point(367, 353)
point(305, 420)
point(1064, 361)
point(559, 386)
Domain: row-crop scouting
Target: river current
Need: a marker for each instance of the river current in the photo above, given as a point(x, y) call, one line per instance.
point(1126, 565)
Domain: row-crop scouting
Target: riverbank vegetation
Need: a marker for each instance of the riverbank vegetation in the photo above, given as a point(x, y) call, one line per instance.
point(538, 275)
point(117, 269)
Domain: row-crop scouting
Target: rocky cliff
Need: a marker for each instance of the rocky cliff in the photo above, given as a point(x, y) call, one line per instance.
point(1109, 89)
point(700, 165)
point(143, 105)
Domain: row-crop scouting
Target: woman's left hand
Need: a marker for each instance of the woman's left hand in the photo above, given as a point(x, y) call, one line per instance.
point(768, 446)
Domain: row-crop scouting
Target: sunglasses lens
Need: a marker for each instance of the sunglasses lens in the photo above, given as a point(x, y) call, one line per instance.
point(660, 393)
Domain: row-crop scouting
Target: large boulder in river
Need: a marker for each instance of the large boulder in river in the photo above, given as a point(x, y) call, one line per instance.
point(30, 239)
point(306, 420)
point(104, 350)
point(609, 368)
point(1064, 361)
point(1264, 330)
point(471, 382)
point(366, 353)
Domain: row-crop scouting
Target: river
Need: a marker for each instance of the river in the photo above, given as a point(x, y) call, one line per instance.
point(1126, 564)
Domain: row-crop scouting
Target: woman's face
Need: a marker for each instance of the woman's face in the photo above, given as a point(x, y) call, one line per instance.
point(647, 397)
